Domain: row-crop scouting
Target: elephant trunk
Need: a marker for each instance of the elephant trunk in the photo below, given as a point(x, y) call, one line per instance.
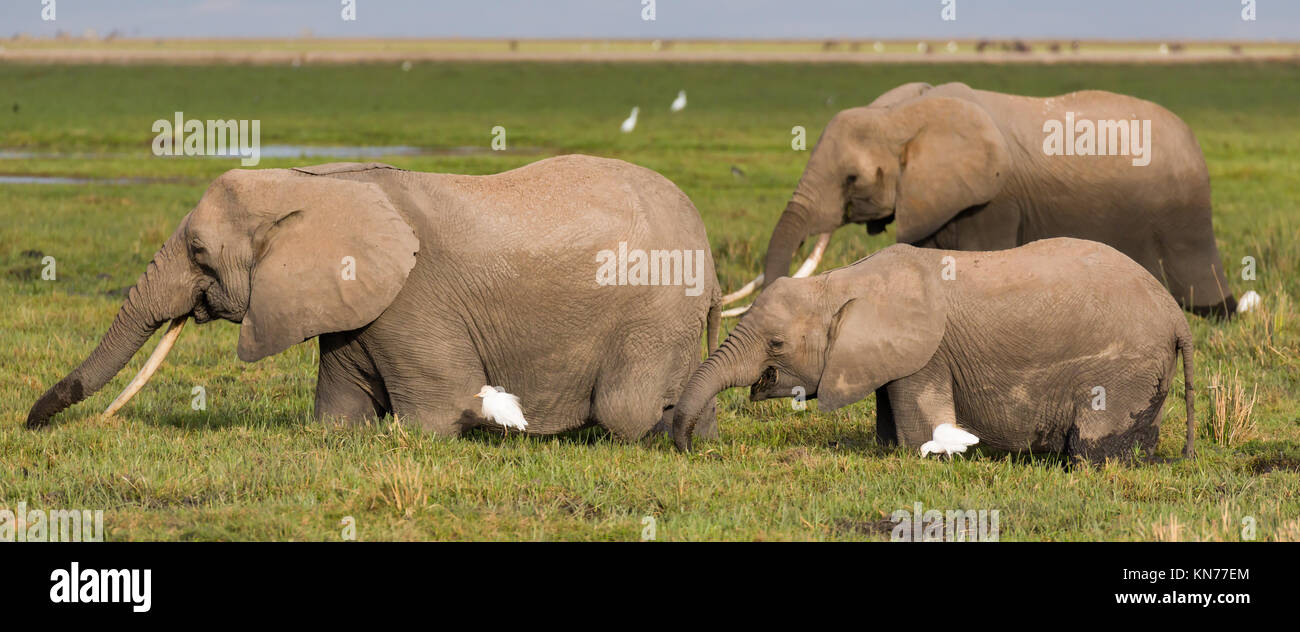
point(795, 225)
point(164, 292)
point(728, 366)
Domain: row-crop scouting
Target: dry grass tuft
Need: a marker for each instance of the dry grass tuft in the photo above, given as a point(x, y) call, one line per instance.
point(1288, 531)
point(401, 484)
point(1230, 421)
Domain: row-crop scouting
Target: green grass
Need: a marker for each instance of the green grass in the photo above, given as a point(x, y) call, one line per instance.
point(254, 466)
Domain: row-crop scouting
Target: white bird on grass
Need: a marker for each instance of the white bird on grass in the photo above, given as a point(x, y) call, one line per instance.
point(502, 407)
point(679, 103)
point(948, 439)
point(1249, 302)
point(630, 123)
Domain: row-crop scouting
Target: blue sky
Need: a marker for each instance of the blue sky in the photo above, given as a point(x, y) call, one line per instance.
point(1083, 19)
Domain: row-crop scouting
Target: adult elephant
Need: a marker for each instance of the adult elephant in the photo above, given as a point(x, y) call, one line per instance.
point(422, 288)
point(964, 169)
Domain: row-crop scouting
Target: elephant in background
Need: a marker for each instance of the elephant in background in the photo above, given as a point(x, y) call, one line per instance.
point(1062, 345)
point(458, 282)
point(963, 169)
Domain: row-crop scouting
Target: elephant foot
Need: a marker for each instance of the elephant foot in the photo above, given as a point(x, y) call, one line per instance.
point(1222, 312)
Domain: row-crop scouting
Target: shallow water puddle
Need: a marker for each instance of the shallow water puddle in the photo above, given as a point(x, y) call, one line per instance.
point(342, 152)
point(71, 180)
point(281, 151)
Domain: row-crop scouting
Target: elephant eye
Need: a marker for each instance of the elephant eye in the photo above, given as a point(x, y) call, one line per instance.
point(851, 180)
point(776, 344)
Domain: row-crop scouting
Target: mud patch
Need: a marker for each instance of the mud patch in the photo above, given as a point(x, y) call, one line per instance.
point(580, 508)
point(1264, 465)
point(23, 274)
point(864, 527)
point(853, 444)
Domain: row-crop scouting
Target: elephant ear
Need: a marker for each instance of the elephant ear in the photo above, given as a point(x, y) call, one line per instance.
point(330, 255)
point(954, 158)
point(886, 336)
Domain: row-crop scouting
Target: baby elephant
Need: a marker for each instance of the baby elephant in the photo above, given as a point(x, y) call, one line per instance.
point(1060, 345)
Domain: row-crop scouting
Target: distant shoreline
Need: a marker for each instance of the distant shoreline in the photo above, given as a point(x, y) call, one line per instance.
point(90, 50)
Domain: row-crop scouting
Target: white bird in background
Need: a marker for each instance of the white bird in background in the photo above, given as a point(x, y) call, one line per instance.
point(679, 103)
point(502, 407)
point(1250, 301)
point(948, 439)
point(630, 123)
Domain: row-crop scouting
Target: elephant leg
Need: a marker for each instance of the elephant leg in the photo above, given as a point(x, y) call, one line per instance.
point(1206, 293)
point(1130, 419)
point(706, 427)
point(447, 415)
point(886, 430)
point(921, 402)
point(626, 409)
point(442, 401)
point(348, 387)
point(432, 377)
point(635, 391)
point(1189, 265)
point(445, 421)
point(634, 394)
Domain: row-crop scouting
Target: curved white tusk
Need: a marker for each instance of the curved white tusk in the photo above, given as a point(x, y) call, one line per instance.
point(810, 264)
point(735, 311)
point(147, 371)
point(806, 268)
point(744, 291)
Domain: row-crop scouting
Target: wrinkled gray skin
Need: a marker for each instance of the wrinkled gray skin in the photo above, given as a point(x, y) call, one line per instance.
point(964, 169)
point(460, 281)
point(1011, 348)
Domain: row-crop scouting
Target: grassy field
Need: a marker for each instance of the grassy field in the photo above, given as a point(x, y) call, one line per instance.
point(254, 466)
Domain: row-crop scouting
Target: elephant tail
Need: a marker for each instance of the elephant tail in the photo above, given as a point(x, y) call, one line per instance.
point(714, 326)
point(1185, 348)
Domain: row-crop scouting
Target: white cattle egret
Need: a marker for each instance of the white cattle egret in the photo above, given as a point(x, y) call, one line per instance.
point(1250, 301)
point(948, 439)
point(679, 103)
point(502, 407)
point(630, 123)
